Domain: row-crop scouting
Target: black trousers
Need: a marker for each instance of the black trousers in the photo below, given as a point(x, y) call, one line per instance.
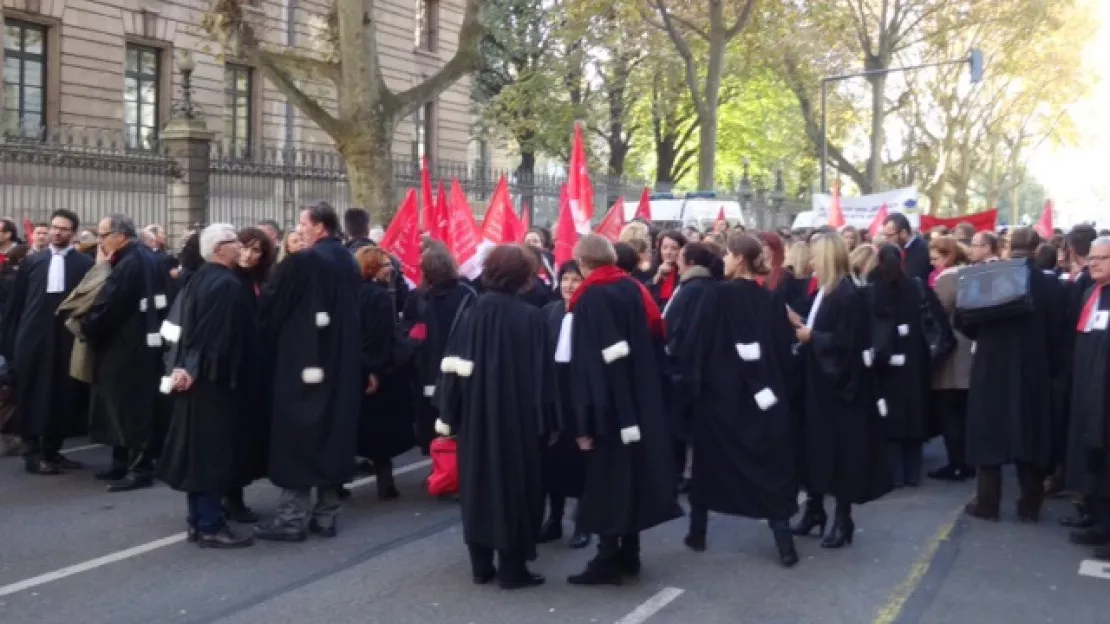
point(139, 462)
point(950, 413)
point(510, 566)
point(45, 447)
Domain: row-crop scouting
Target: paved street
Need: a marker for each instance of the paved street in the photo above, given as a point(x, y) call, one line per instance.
point(70, 552)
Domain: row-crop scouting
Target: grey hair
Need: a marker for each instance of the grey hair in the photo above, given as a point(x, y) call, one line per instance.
point(1101, 241)
point(122, 224)
point(213, 235)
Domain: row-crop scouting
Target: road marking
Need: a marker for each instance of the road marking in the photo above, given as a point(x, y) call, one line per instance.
point(78, 449)
point(135, 551)
point(1095, 568)
point(651, 606)
point(888, 613)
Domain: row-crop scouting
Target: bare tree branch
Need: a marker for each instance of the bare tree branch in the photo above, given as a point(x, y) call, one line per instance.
point(741, 21)
point(285, 83)
point(465, 60)
point(684, 52)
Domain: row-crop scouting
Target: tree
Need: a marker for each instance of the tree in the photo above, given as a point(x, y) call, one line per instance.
point(710, 27)
point(368, 110)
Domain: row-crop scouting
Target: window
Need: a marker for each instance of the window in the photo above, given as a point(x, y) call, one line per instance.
point(423, 134)
point(238, 88)
point(141, 85)
point(426, 33)
point(24, 78)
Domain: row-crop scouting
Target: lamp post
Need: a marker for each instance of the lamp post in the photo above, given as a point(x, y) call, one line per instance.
point(974, 60)
point(746, 192)
point(186, 108)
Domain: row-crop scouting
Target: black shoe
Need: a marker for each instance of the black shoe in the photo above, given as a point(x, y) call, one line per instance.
point(114, 473)
point(964, 473)
point(975, 509)
point(1094, 536)
point(814, 517)
point(580, 539)
point(131, 482)
point(224, 539)
point(364, 467)
point(66, 463)
point(483, 578)
point(1081, 520)
point(388, 493)
point(628, 559)
point(344, 493)
point(784, 542)
point(528, 579)
point(328, 531)
point(840, 535)
point(239, 513)
point(551, 531)
point(598, 572)
point(695, 542)
point(35, 466)
point(947, 473)
point(278, 532)
point(192, 535)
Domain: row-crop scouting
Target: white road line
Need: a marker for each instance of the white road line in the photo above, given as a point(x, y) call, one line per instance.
point(651, 606)
point(135, 551)
point(1095, 568)
point(78, 449)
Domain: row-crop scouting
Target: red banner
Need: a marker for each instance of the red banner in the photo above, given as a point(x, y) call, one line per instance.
point(985, 221)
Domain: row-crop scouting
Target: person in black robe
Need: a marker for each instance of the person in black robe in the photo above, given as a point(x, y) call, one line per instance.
point(1009, 403)
point(385, 427)
point(668, 246)
point(539, 292)
point(310, 315)
point(1088, 470)
point(612, 337)
point(563, 468)
point(122, 330)
point(842, 429)
point(731, 356)
point(431, 314)
point(698, 267)
point(210, 331)
point(37, 346)
point(492, 397)
point(902, 366)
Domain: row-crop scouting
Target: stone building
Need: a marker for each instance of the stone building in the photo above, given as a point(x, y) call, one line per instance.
point(111, 65)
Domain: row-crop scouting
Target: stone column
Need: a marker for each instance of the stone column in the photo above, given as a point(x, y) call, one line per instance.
point(189, 143)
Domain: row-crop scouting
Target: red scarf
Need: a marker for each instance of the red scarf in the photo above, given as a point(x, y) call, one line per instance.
point(1088, 309)
point(666, 286)
point(606, 275)
point(814, 286)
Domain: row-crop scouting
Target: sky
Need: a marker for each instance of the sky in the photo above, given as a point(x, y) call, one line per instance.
point(1076, 176)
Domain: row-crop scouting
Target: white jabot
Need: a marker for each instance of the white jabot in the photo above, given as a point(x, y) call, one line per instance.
point(56, 275)
point(816, 306)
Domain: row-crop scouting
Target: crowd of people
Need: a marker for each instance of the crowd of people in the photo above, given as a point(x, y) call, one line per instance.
point(736, 368)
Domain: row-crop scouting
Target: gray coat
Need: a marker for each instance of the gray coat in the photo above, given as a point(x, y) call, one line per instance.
point(954, 373)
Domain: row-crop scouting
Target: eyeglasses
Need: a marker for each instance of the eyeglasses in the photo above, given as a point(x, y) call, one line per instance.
point(1097, 258)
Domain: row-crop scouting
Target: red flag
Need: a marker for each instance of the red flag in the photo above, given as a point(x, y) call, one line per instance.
point(610, 226)
point(579, 190)
point(402, 238)
point(836, 215)
point(501, 225)
point(643, 209)
point(438, 228)
point(28, 230)
point(722, 223)
point(1044, 224)
point(876, 227)
point(463, 236)
point(428, 219)
point(985, 221)
point(566, 234)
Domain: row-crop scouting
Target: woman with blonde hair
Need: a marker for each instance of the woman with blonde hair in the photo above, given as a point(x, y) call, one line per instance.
point(290, 245)
point(862, 261)
point(842, 435)
point(633, 230)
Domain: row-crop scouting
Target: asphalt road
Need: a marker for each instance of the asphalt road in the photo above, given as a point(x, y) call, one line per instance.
point(72, 553)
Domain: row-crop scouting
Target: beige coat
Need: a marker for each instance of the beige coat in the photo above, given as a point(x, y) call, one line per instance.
point(76, 306)
point(955, 372)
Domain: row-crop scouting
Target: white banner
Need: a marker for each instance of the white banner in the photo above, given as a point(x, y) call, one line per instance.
point(861, 210)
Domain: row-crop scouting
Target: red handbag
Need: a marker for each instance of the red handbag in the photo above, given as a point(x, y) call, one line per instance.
point(444, 480)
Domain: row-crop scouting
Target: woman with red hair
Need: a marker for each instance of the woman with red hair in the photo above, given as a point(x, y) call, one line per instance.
point(773, 255)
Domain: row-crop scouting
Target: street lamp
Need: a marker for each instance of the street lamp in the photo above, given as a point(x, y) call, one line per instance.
point(186, 108)
point(974, 60)
point(746, 191)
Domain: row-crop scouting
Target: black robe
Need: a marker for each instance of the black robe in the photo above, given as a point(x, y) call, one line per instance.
point(843, 432)
point(122, 330)
point(743, 449)
point(903, 370)
point(679, 316)
point(437, 308)
point(385, 427)
point(1075, 296)
point(260, 372)
point(211, 334)
point(38, 346)
point(564, 471)
point(493, 395)
point(629, 487)
point(1090, 404)
point(310, 315)
point(1009, 402)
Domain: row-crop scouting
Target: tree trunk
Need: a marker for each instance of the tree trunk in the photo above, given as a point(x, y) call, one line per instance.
point(707, 112)
point(707, 149)
point(526, 181)
point(368, 155)
point(878, 113)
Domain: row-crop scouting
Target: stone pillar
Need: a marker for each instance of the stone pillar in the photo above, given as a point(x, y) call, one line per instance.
point(189, 143)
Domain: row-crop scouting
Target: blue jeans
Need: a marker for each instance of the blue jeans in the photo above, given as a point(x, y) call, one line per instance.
point(206, 512)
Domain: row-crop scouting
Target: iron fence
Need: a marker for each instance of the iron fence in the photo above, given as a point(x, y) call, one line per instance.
point(90, 172)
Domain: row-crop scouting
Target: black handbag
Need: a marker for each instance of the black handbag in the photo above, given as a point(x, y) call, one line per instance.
point(993, 291)
point(939, 335)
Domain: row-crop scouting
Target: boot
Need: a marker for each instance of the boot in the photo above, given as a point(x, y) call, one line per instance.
point(813, 517)
point(603, 569)
point(513, 573)
point(1082, 518)
point(699, 527)
point(629, 555)
point(1032, 493)
point(224, 539)
point(236, 510)
point(784, 541)
point(988, 494)
point(843, 528)
point(387, 487)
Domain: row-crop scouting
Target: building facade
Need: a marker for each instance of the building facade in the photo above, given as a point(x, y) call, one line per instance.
point(111, 66)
